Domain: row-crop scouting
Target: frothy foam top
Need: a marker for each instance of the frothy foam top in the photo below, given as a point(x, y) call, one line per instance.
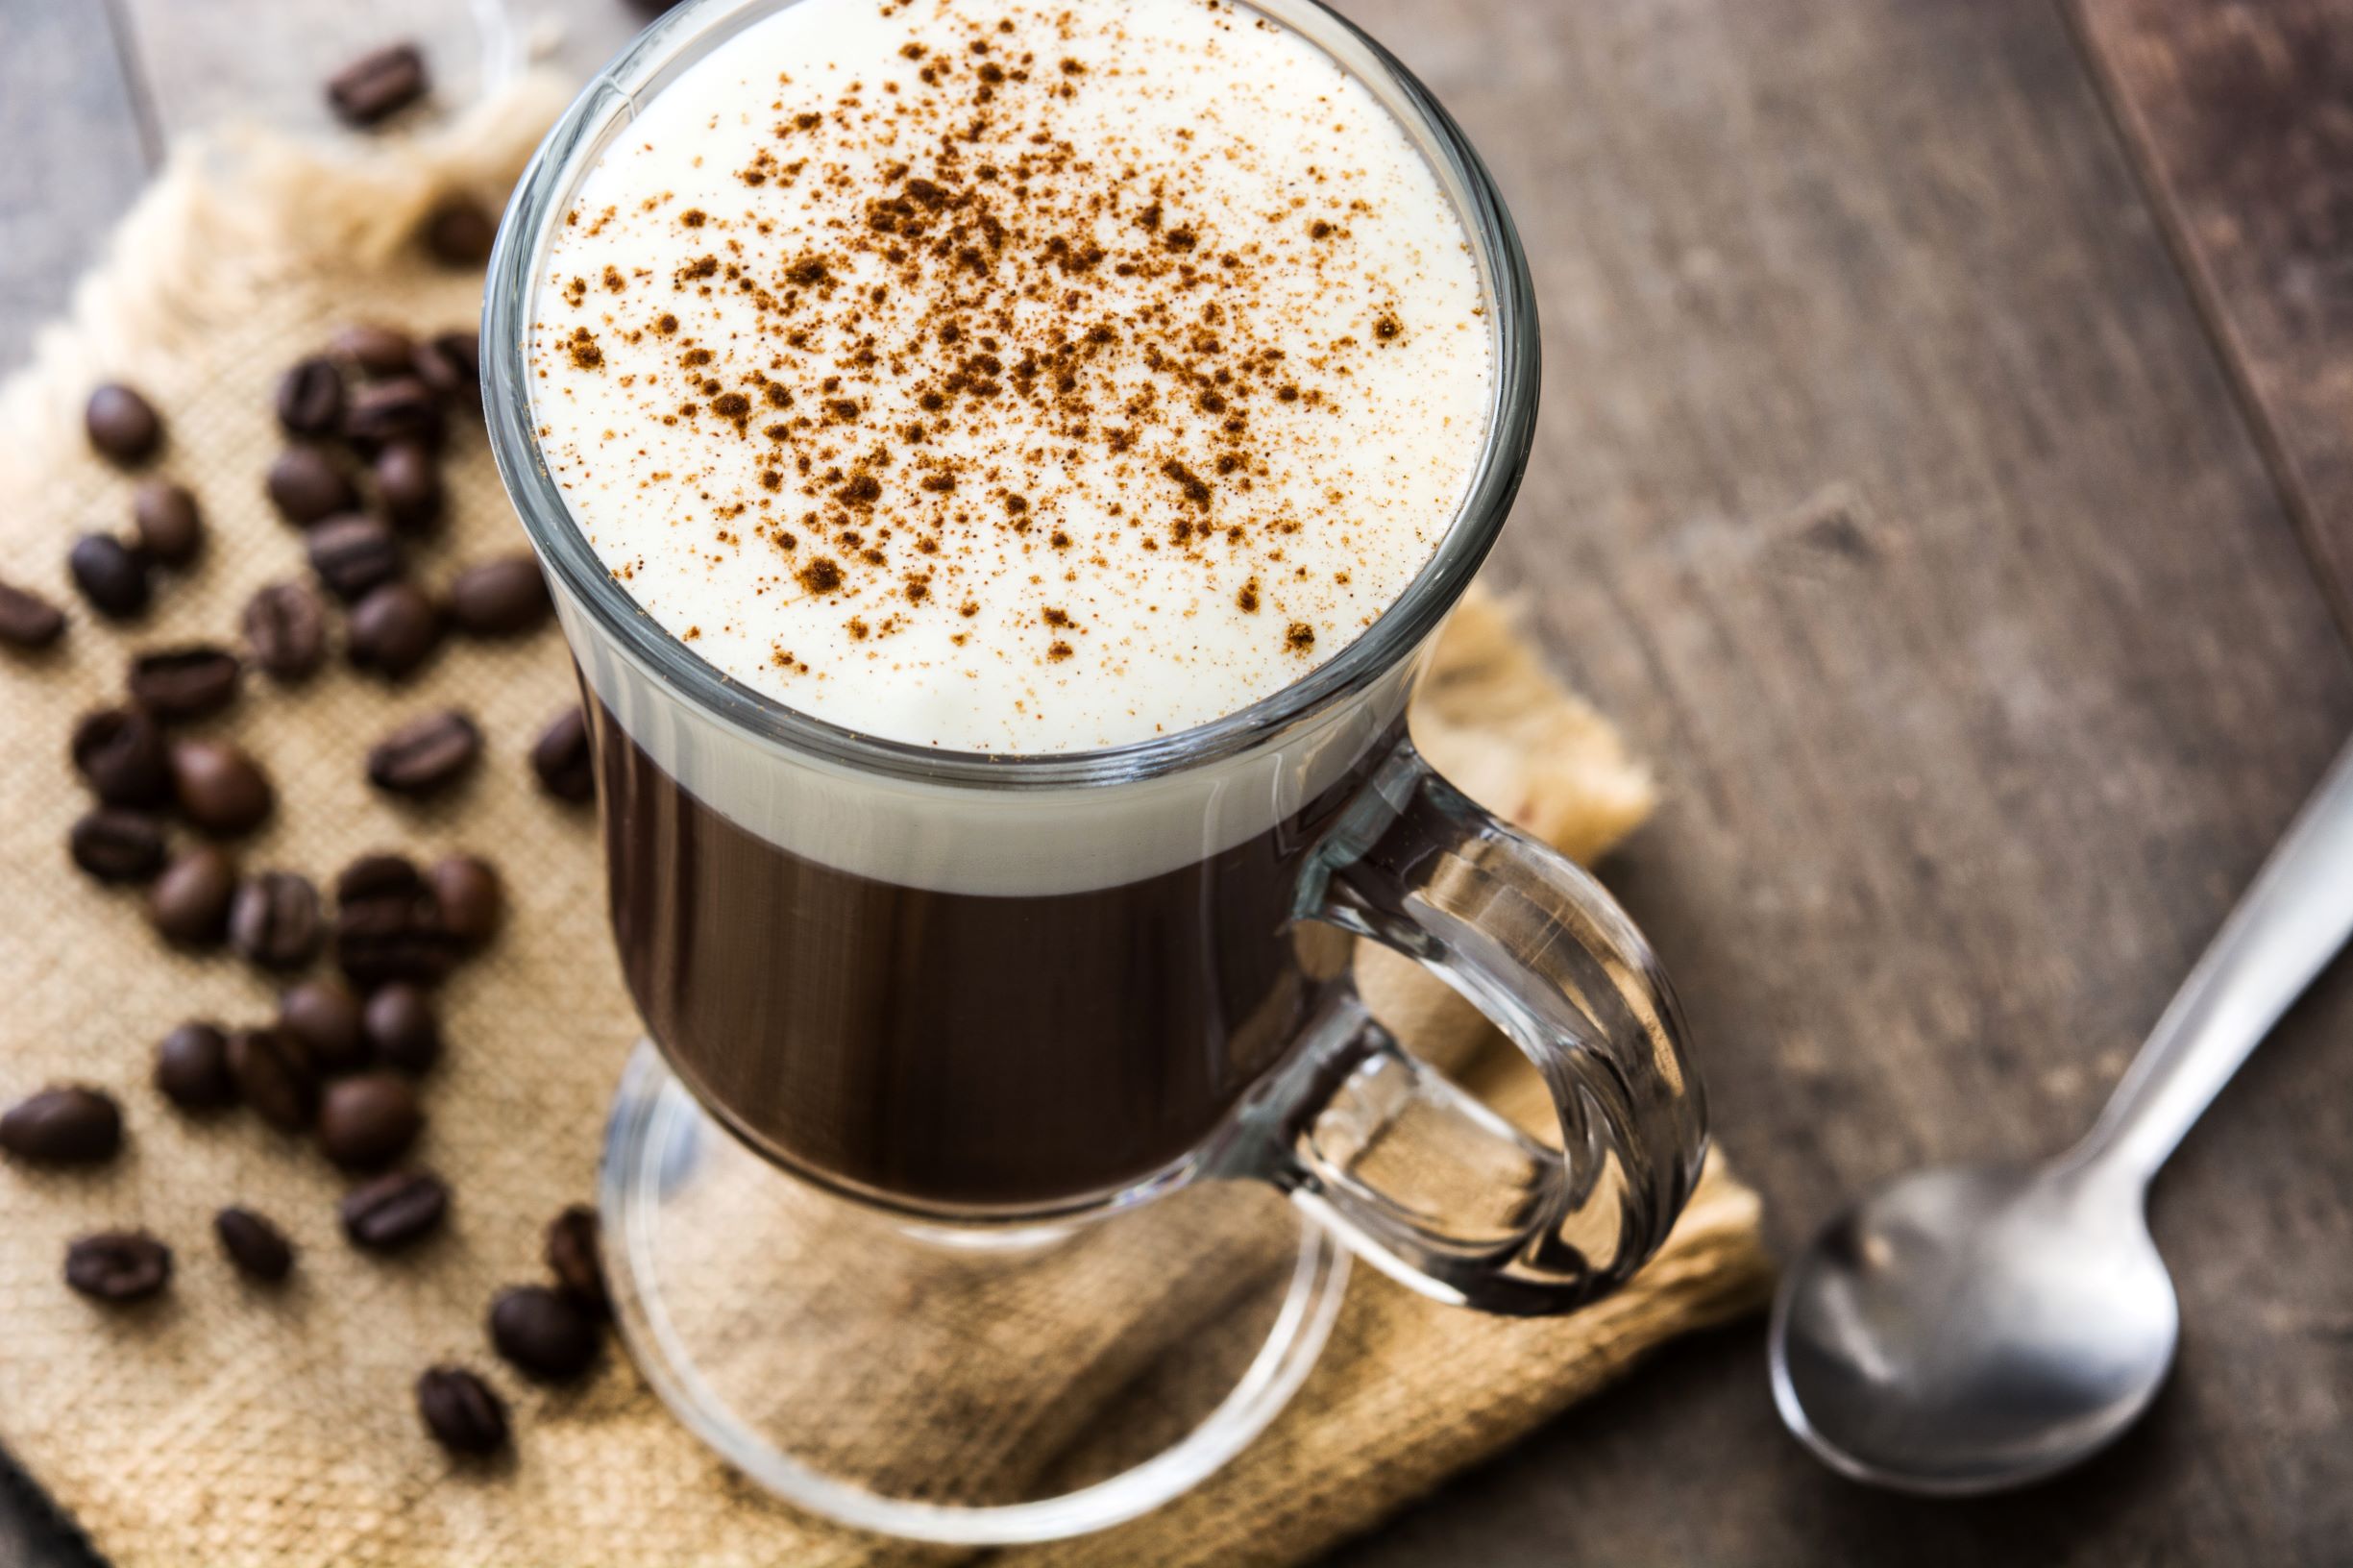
point(1007, 376)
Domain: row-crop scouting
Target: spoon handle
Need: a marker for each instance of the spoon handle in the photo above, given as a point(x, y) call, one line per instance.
point(2284, 930)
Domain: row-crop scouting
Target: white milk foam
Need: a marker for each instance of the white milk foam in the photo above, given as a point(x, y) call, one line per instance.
point(1010, 377)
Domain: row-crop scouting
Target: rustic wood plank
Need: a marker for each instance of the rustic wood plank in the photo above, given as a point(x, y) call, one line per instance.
point(2242, 115)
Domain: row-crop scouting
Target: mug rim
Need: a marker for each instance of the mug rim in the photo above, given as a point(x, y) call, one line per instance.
point(564, 158)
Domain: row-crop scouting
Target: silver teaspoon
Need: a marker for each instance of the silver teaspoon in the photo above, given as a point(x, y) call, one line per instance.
point(1971, 1328)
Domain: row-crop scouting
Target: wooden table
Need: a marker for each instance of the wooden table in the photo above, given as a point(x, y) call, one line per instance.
point(1946, 476)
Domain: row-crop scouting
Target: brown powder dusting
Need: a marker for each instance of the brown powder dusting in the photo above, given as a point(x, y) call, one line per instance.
point(1300, 637)
point(822, 575)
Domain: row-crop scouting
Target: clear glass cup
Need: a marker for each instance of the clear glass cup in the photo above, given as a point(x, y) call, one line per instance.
point(948, 1196)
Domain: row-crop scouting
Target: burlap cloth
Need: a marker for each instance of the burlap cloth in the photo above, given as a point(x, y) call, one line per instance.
point(229, 1425)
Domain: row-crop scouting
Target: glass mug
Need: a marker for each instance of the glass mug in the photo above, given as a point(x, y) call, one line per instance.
point(954, 1009)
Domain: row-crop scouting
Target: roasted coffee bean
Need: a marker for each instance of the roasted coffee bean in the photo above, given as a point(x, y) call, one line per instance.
point(460, 1411)
point(467, 893)
point(28, 621)
point(388, 925)
point(373, 349)
point(392, 1211)
point(385, 414)
point(220, 789)
point(450, 363)
point(310, 398)
point(394, 629)
point(378, 85)
point(286, 630)
point(459, 230)
point(500, 598)
point(187, 682)
point(575, 1258)
point(122, 754)
point(426, 755)
point(274, 921)
point(560, 758)
point(353, 555)
point(117, 845)
point(170, 527)
point(189, 905)
point(368, 1121)
point(274, 1075)
point(68, 1125)
point(118, 1266)
point(192, 1068)
point(111, 574)
point(325, 1014)
point(408, 485)
point(542, 1332)
point(259, 1248)
point(308, 485)
point(123, 425)
point(400, 1028)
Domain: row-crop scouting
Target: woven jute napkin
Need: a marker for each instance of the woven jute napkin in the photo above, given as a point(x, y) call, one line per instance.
point(230, 1424)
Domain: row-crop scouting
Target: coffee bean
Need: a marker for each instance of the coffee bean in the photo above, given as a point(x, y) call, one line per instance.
point(373, 349)
point(310, 398)
point(375, 877)
point(307, 485)
point(378, 85)
point(123, 425)
point(192, 1068)
point(654, 8)
point(575, 1258)
point(400, 1028)
point(353, 555)
point(467, 893)
point(387, 927)
point(189, 905)
point(459, 230)
point(369, 1120)
point(274, 1075)
point(274, 921)
point(170, 528)
point(220, 789)
point(111, 574)
point(117, 845)
point(426, 755)
point(408, 485)
point(542, 1332)
point(28, 621)
point(384, 413)
point(69, 1125)
point(286, 630)
point(450, 363)
point(120, 752)
point(189, 682)
point(259, 1248)
point(394, 629)
point(500, 598)
point(460, 1411)
point(560, 758)
point(118, 1266)
point(325, 1014)
point(392, 1211)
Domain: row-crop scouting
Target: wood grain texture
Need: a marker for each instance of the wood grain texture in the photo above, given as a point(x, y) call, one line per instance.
point(2241, 115)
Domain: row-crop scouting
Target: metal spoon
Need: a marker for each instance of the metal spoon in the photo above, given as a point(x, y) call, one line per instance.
point(1977, 1327)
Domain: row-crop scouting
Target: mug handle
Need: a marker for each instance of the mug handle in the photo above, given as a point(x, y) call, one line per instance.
point(1416, 1176)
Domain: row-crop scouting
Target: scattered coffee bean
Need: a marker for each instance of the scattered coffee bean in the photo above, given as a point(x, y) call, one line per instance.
point(575, 1258)
point(111, 574)
point(408, 485)
point(189, 905)
point(259, 1248)
point(393, 629)
point(392, 1211)
point(274, 1075)
point(542, 1332)
point(192, 1068)
point(69, 1125)
point(459, 230)
point(28, 621)
point(117, 845)
point(189, 682)
point(353, 555)
point(368, 1121)
point(450, 363)
point(378, 85)
point(286, 630)
point(373, 349)
point(308, 485)
point(402, 1029)
point(384, 413)
point(467, 893)
point(500, 598)
point(460, 1411)
point(170, 527)
point(561, 760)
point(388, 925)
point(325, 1014)
point(220, 789)
point(118, 1266)
point(274, 921)
point(120, 752)
point(426, 755)
point(123, 425)
point(310, 398)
